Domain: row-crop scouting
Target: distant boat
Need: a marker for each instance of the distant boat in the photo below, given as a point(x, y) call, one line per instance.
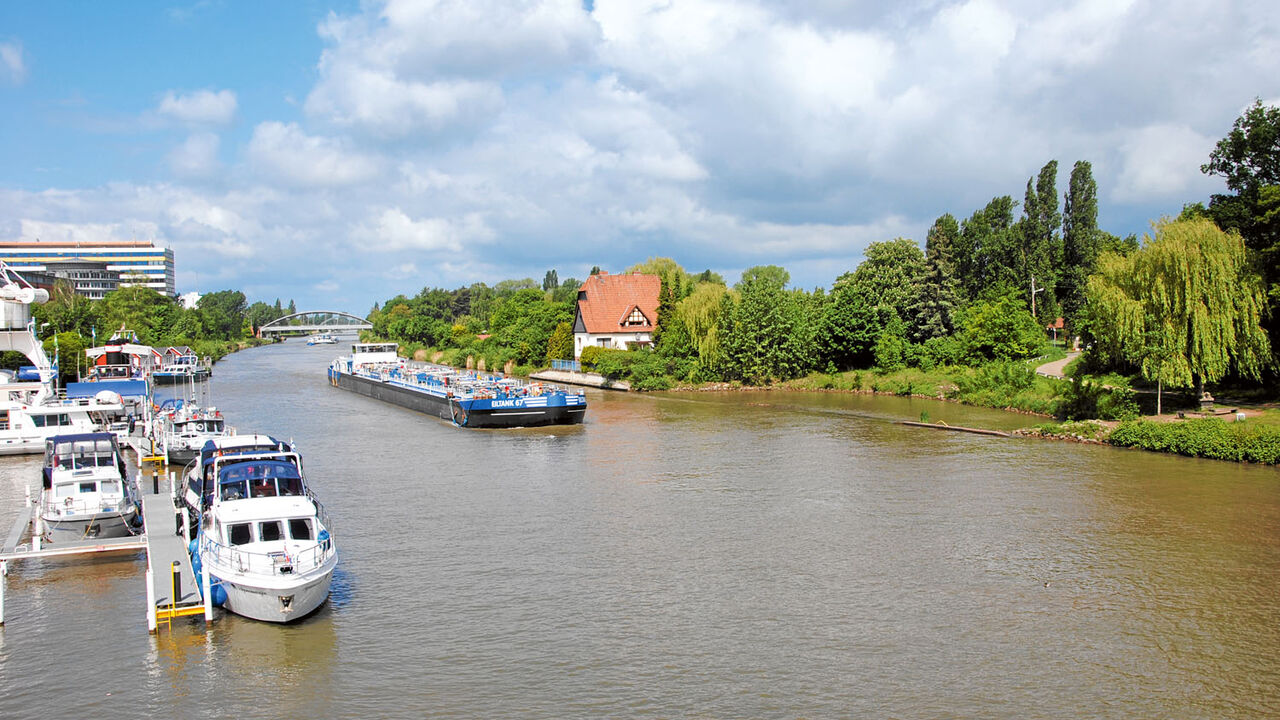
point(180, 366)
point(322, 339)
point(468, 399)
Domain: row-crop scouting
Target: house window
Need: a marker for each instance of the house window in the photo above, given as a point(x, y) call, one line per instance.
point(604, 342)
point(636, 318)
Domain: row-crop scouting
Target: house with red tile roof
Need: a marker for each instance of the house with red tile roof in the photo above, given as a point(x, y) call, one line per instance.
point(616, 311)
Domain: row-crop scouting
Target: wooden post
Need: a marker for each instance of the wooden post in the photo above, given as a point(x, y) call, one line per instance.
point(4, 573)
point(37, 527)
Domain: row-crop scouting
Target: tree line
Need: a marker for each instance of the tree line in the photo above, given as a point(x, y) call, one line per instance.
point(69, 323)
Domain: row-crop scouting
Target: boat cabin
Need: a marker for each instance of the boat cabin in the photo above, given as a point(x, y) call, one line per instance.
point(81, 472)
point(374, 354)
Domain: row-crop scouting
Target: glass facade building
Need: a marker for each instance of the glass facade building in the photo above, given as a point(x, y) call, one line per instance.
point(95, 268)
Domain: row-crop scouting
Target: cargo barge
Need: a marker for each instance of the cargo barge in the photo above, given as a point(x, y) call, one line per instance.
point(465, 398)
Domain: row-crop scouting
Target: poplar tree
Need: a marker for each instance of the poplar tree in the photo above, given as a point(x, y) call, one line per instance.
point(1080, 239)
point(984, 248)
point(1039, 247)
point(1187, 308)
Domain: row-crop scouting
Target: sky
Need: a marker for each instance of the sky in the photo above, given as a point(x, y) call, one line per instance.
point(340, 153)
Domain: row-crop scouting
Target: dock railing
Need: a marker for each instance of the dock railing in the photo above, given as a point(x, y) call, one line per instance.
point(567, 365)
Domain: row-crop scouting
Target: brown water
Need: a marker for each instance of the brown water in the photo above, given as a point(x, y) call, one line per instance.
point(707, 555)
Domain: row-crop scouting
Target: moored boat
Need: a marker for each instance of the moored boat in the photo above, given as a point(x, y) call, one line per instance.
point(467, 399)
point(261, 533)
point(183, 428)
point(86, 491)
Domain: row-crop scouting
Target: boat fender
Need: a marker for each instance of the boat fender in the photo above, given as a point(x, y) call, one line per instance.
point(191, 548)
point(218, 592)
point(133, 423)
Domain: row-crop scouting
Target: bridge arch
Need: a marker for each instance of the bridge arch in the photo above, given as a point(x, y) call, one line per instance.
point(281, 324)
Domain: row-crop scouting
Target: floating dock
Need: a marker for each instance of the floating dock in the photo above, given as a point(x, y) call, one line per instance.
point(171, 585)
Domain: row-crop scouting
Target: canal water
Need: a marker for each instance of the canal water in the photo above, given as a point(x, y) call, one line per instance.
point(734, 555)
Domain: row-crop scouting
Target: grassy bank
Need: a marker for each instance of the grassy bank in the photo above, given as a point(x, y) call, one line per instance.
point(1255, 440)
point(1007, 386)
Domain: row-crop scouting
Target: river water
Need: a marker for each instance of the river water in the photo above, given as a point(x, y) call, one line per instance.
point(704, 555)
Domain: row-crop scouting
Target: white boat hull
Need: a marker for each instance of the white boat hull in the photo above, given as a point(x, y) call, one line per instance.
point(75, 528)
point(273, 600)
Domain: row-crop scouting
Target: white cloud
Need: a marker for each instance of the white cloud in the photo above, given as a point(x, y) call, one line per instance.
point(290, 155)
point(33, 230)
point(196, 157)
point(13, 68)
point(381, 104)
point(1161, 162)
point(391, 229)
point(202, 107)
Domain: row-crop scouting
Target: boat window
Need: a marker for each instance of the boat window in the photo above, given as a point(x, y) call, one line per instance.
point(264, 487)
point(109, 487)
point(239, 534)
point(87, 487)
point(64, 490)
point(234, 490)
point(269, 531)
point(300, 529)
point(290, 486)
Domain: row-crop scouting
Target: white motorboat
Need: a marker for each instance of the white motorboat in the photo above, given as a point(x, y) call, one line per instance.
point(322, 339)
point(183, 428)
point(261, 533)
point(86, 490)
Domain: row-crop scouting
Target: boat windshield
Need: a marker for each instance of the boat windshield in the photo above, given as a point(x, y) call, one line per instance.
point(263, 478)
point(83, 454)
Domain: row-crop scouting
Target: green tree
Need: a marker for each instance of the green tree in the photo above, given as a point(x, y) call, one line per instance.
point(891, 275)
point(936, 303)
point(1081, 240)
point(67, 348)
point(699, 315)
point(850, 323)
point(986, 250)
point(1040, 247)
point(222, 314)
point(1000, 327)
point(1249, 159)
point(560, 346)
point(771, 274)
point(766, 335)
point(1186, 308)
point(140, 309)
point(551, 281)
point(66, 310)
point(1249, 156)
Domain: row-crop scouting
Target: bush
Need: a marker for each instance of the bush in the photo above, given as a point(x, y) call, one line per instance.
point(1207, 438)
point(1085, 400)
point(590, 355)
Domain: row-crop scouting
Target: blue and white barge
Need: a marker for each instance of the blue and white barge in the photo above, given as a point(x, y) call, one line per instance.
point(466, 398)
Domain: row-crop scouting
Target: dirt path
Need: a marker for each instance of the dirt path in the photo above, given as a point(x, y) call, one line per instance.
point(1054, 369)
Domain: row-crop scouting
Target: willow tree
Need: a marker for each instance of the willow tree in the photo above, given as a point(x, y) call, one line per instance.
point(1187, 308)
point(699, 315)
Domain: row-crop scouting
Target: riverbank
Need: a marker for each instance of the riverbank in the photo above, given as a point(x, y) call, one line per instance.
point(1014, 387)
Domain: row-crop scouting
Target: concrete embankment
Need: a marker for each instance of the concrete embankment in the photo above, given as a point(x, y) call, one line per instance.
point(577, 378)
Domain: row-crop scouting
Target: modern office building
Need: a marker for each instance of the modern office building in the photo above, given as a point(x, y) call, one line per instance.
point(96, 267)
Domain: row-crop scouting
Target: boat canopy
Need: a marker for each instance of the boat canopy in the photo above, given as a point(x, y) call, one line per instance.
point(125, 388)
point(259, 478)
point(82, 450)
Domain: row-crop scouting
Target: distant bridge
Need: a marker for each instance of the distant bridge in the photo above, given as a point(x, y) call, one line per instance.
point(315, 321)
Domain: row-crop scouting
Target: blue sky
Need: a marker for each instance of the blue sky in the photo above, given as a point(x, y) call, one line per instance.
point(339, 153)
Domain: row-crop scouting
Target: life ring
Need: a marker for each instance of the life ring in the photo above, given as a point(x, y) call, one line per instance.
point(67, 502)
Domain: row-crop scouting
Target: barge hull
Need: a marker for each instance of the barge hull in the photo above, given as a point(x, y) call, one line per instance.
point(442, 408)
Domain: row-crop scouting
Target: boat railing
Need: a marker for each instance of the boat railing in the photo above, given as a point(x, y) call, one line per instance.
point(280, 562)
point(73, 506)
